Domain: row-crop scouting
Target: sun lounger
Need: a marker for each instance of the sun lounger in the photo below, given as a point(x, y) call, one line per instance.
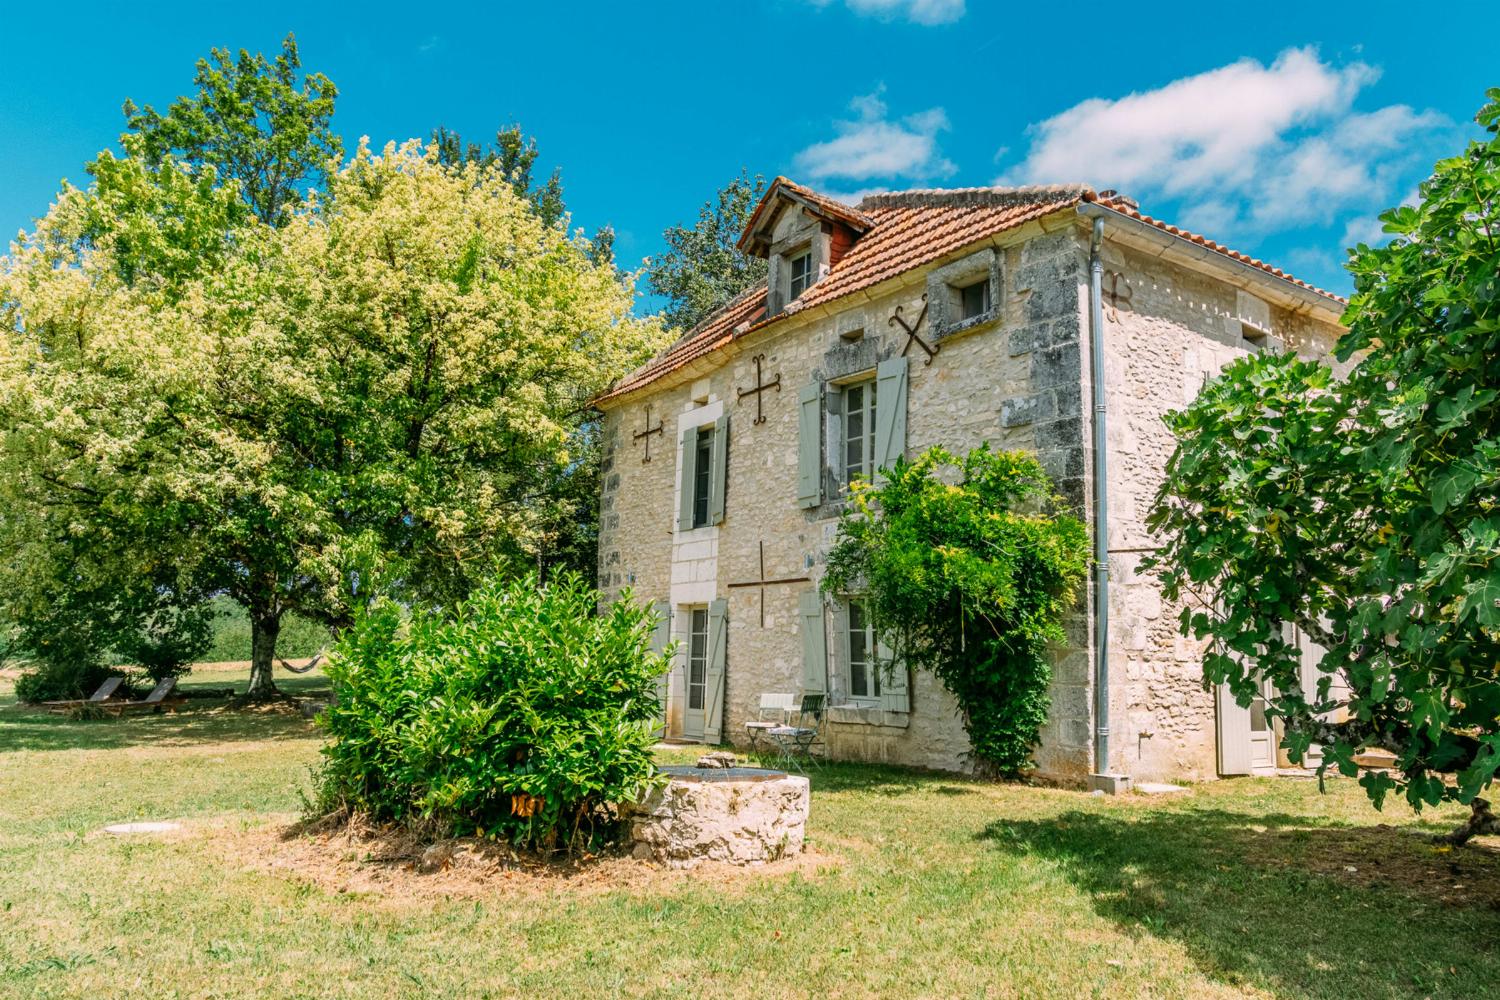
point(106, 691)
point(161, 696)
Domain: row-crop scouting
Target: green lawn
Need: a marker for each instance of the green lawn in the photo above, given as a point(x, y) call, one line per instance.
point(930, 886)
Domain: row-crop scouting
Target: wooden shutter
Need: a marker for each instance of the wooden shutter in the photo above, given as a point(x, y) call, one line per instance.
point(713, 680)
point(895, 695)
point(689, 453)
point(718, 475)
point(661, 638)
point(814, 643)
point(1234, 733)
point(810, 445)
point(890, 412)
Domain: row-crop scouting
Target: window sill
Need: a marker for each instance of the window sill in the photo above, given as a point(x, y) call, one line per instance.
point(854, 714)
point(950, 330)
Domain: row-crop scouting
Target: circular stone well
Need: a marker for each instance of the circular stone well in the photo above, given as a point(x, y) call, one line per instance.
point(738, 815)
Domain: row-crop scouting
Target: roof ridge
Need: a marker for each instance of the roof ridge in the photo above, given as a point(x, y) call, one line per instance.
point(940, 197)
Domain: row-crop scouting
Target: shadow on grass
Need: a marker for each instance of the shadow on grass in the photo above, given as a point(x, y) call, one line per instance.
point(1285, 902)
point(198, 721)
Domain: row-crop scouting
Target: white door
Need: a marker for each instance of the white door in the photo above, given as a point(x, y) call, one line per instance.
point(1247, 740)
point(1262, 734)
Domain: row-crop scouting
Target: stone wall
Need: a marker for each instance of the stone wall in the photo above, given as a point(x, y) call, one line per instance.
point(1012, 380)
point(1167, 330)
point(1018, 379)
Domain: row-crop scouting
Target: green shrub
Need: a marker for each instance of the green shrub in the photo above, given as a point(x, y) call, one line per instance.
point(59, 680)
point(968, 568)
point(526, 714)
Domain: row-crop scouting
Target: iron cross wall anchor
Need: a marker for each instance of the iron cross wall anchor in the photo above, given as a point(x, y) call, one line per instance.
point(647, 433)
point(1116, 297)
point(911, 332)
point(760, 387)
point(763, 582)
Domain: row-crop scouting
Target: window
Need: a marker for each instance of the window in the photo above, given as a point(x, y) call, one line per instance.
point(1255, 340)
point(859, 430)
point(860, 654)
point(703, 462)
point(802, 274)
point(974, 300)
point(697, 672)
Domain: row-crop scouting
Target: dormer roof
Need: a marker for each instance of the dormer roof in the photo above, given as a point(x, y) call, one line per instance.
point(784, 194)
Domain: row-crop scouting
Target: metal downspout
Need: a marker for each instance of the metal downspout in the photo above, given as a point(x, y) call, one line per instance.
point(1101, 503)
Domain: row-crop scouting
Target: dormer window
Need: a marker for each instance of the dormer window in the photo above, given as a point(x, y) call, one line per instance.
point(802, 275)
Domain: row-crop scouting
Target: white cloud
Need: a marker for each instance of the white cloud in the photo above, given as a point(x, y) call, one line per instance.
point(1247, 146)
point(873, 146)
point(927, 12)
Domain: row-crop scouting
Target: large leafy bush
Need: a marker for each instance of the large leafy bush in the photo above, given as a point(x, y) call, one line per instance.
point(525, 714)
point(967, 572)
point(1364, 510)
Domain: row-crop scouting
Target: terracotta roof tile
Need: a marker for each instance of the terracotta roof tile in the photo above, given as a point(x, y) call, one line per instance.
point(903, 230)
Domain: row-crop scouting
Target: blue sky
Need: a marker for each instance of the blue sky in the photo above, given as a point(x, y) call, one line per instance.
point(1280, 130)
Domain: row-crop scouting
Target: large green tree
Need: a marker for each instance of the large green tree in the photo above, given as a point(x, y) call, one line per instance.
point(386, 388)
point(1365, 510)
point(702, 268)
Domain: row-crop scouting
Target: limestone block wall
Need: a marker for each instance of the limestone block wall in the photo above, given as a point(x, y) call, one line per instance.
point(1167, 329)
point(1014, 380)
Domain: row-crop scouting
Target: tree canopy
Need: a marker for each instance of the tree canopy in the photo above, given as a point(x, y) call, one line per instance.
point(392, 384)
point(253, 122)
point(703, 269)
point(1365, 510)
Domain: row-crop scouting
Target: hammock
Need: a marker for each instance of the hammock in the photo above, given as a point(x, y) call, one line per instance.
point(303, 669)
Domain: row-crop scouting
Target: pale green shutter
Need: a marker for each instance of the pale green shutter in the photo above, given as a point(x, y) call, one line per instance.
point(894, 693)
point(890, 412)
point(814, 644)
point(689, 452)
point(713, 687)
point(718, 475)
point(661, 638)
point(809, 445)
point(1234, 734)
point(840, 682)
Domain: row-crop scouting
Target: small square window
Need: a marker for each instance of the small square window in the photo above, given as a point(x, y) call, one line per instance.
point(974, 300)
point(850, 336)
point(1255, 340)
point(802, 274)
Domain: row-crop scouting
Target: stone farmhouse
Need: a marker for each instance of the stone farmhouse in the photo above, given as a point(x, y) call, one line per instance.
point(1055, 319)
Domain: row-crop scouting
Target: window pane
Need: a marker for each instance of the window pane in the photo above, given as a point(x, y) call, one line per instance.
point(859, 652)
point(702, 475)
point(976, 299)
point(697, 658)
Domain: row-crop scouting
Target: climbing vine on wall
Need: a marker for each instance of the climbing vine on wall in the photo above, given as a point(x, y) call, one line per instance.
point(967, 568)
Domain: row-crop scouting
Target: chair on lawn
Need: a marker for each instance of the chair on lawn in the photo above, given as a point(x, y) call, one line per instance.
point(773, 712)
point(161, 696)
point(106, 691)
point(796, 739)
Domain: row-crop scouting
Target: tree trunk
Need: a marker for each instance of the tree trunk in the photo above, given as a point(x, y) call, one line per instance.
point(1481, 820)
point(264, 628)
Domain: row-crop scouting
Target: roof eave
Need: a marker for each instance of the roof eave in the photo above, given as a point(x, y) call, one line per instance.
point(1282, 291)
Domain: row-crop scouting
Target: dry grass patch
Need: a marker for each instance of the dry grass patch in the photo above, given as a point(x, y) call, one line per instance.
point(391, 863)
